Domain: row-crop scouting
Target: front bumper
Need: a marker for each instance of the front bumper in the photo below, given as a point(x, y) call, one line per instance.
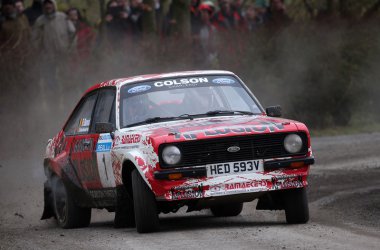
point(200, 172)
point(195, 184)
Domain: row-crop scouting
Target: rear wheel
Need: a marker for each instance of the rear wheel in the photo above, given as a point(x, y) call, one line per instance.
point(225, 210)
point(145, 205)
point(67, 213)
point(296, 206)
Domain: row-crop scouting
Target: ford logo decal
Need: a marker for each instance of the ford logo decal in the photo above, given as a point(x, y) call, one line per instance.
point(233, 149)
point(223, 81)
point(139, 89)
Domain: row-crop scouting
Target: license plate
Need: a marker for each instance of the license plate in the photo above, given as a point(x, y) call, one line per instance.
point(232, 168)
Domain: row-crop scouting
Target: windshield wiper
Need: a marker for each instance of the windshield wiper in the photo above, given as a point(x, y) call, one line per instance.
point(188, 116)
point(228, 112)
point(149, 120)
point(159, 119)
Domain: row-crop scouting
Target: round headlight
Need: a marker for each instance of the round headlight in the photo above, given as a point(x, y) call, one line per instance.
point(293, 143)
point(171, 155)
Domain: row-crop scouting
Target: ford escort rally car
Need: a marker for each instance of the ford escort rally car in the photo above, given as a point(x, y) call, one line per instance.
point(151, 144)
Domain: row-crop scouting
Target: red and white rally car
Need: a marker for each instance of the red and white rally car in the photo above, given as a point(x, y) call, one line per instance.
point(151, 144)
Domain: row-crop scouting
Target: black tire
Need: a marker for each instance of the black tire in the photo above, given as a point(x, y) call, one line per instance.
point(68, 214)
point(145, 205)
point(296, 206)
point(226, 210)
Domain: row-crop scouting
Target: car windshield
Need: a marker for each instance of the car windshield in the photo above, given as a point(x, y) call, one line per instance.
point(184, 98)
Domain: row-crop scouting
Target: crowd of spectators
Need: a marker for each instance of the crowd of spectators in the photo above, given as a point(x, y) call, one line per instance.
point(60, 38)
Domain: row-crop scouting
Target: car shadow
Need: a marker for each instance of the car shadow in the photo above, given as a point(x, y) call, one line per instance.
point(196, 222)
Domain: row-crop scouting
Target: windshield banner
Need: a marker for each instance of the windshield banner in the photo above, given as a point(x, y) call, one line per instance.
point(179, 83)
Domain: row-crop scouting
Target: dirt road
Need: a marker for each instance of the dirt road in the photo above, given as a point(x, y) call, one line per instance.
point(344, 198)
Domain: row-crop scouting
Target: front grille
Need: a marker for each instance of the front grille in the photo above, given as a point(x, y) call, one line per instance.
point(210, 151)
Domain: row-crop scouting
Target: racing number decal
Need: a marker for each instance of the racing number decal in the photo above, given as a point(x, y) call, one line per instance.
point(103, 158)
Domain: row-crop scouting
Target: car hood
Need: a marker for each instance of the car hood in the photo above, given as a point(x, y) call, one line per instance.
point(213, 127)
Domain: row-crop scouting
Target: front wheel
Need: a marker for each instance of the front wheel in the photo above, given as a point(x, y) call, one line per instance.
point(145, 205)
point(296, 206)
point(67, 213)
point(226, 210)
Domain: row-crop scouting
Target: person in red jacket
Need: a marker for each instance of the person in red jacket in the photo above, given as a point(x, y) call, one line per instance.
point(84, 33)
point(227, 17)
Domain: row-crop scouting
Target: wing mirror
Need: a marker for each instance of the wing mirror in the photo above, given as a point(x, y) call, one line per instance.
point(274, 111)
point(103, 127)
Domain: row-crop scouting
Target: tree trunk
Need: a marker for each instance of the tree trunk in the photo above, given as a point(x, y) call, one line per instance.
point(149, 18)
point(181, 15)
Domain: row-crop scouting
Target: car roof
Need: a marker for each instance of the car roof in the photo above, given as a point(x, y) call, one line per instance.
point(129, 80)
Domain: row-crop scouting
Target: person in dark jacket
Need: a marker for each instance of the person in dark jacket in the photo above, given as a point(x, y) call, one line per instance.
point(117, 22)
point(195, 17)
point(276, 15)
point(34, 11)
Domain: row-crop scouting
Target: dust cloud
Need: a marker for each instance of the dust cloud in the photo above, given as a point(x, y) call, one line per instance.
point(314, 72)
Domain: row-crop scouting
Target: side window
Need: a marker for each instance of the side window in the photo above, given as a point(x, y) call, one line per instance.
point(80, 122)
point(104, 110)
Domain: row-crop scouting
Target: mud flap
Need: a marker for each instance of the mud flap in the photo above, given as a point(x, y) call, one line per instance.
point(48, 202)
point(270, 201)
point(125, 213)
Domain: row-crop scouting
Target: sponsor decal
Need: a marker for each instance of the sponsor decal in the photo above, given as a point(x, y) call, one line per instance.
point(104, 137)
point(187, 192)
point(280, 182)
point(84, 122)
point(178, 82)
point(233, 149)
point(100, 194)
point(246, 185)
point(138, 89)
point(260, 128)
point(217, 190)
point(83, 130)
point(127, 147)
point(223, 81)
point(103, 147)
point(128, 139)
point(82, 145)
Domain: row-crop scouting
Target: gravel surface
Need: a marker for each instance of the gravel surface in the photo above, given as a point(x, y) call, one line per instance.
point(344, 205)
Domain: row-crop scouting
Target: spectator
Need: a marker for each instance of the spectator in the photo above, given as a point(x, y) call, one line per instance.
point(276, 15)
point(237, 5)
point(195, 17)
point(117, 22)
point(206, 33)
point(14, 29)
point(53, 36)
point(253, 19)
point(136, 12)
point(84, 33)
point(20, 6)
point(34, 11)
point(261, 9)
point(227, 18)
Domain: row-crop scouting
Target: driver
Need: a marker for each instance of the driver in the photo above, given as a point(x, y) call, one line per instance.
point(137, 108)
point(206, 99)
